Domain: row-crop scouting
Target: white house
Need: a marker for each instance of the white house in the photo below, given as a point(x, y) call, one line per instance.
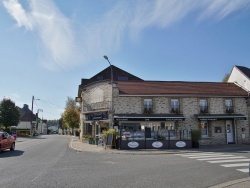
point(241, 76)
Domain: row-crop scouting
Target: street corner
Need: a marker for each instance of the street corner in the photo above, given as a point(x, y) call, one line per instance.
point(79, 146)
point(75, 144)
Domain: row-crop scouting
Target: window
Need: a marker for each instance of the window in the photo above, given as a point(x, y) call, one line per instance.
point(148, 106)
point(175, 106)
point(204, 129)
point(99, 77)
point(229, 106)
point(122, 78)
point(167, 130)
point(203, 106)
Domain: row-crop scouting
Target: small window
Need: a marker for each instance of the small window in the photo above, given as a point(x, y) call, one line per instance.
point(175, 106)
point(203, 106)
point(229, 106)
point(122, 78)
point(148, 106)
point(99, 77)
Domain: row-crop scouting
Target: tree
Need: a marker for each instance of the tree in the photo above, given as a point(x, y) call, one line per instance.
point(226, 77)
point(71, 118)
point(71, 115)
point(9, 113)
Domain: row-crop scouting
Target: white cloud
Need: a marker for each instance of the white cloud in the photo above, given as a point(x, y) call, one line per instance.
point(18, 13)
point(58, 38)
point(219, 9)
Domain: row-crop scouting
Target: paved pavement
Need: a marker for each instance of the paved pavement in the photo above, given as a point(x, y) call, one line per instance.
point(79, 146)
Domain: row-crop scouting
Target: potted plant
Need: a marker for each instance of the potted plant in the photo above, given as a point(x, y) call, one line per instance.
point(90, 139)
point(195, 136)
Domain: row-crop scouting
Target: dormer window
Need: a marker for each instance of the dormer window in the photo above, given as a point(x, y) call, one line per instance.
point(148, 106)
point(122, 77)
point(203, 106)
point(229, 106)
point(175, 106)
point(99, 77)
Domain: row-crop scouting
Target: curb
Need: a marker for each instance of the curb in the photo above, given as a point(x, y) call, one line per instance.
point(231, 183)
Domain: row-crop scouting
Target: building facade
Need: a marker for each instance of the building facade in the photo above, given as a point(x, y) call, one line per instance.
point(160, 112)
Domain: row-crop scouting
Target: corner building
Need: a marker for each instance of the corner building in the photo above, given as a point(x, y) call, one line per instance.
point(161, 114)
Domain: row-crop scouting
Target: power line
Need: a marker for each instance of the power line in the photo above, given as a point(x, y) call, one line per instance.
point(51, 103)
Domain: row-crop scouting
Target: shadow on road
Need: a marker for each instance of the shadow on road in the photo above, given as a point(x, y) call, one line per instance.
point(5, 154)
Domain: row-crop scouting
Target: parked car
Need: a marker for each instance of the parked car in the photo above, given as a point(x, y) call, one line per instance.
point(6, 141)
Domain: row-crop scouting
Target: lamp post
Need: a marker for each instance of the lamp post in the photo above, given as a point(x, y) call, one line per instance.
point(111, 110)
point(33, 98)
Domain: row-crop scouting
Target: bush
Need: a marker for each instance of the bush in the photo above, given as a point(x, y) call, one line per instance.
point(195, 135)
point(110, 131)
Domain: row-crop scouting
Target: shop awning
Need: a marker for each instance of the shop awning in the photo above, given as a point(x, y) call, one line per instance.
point(214, 117)
point(148, 117)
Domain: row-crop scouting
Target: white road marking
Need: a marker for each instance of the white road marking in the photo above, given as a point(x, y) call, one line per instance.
point(208, 156)
point(235, 165)
point(220, 158)
point(243, 170)
point(229, 161)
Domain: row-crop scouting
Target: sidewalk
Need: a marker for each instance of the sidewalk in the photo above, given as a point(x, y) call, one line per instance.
point(79, 146)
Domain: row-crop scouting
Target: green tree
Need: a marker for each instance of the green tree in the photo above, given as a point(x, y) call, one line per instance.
point(9, 113)
point(71, 115)
point(226, 77)
point(71, 118)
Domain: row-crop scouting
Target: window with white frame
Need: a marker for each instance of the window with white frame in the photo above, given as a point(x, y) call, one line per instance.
point(175, 106)
point(204, 129)
point(203, 106)
point(229, 106)
point(148, 105)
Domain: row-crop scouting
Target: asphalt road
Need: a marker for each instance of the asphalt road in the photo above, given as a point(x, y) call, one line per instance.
point(49, 162)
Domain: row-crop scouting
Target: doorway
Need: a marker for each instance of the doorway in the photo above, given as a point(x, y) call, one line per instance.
point(230, 132)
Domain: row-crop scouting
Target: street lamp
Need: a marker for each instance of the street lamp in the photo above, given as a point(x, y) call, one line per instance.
point(33, 98)
point(111, 110)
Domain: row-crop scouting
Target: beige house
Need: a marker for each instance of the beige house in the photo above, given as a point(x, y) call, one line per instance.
point(161, 114)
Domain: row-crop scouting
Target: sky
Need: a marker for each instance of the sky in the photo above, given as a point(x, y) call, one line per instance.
point(48, 46)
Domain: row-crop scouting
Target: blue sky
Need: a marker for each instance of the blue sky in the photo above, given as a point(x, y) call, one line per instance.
point(47, 46)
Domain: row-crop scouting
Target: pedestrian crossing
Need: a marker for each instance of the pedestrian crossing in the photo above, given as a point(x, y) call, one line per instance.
point(240, 163)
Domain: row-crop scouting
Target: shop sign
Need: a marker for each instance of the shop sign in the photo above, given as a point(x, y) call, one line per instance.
point(206, 119)
point(180, 144)
point(147, 119)
point(240, 118)
point(97, 116)
point(157, 144)
point(133, 144)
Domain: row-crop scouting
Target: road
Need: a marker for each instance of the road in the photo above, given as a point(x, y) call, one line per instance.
point(48, 162)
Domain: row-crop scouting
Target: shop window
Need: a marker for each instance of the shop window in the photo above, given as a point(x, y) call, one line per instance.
point(175, 106)
point(167, 130)
point(203, 106)
point(204, 129)
point(229, 106)
point(148, 106)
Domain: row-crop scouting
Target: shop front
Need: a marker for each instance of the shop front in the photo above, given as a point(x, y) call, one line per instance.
point(96, 122)
point(223, 128)
point(155, 131)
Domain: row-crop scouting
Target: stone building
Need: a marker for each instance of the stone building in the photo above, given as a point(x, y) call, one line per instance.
point(163, 110)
